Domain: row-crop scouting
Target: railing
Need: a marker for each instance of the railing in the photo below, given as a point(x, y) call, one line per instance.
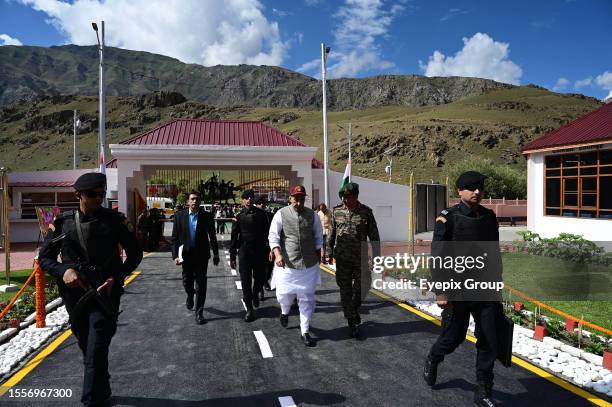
point(41, 313)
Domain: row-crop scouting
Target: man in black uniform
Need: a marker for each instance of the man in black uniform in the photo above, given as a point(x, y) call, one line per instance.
point(249, 241)
point(90, 276)
point(261, 204)
point(470, 222)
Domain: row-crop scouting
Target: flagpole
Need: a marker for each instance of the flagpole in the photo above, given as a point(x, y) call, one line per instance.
point(324, 51)
point(350, 157)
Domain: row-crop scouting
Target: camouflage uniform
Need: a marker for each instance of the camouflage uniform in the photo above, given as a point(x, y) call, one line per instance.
point(347, 243)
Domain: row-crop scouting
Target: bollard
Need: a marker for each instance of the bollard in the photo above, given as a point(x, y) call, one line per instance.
point(570, 324)
point(41, 312)
point(540, 332)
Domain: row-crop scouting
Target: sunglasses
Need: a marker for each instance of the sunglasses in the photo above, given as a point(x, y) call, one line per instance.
point(94, 194)
point(473, 187)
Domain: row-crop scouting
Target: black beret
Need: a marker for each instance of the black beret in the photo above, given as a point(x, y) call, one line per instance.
point(248, 193)
point(89, 181)
point(469, 178)
point(351, 188)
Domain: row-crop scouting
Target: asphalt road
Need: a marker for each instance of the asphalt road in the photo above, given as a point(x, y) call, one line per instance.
point(160, 357)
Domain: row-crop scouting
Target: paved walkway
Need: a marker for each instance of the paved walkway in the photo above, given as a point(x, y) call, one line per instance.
point(160, 357)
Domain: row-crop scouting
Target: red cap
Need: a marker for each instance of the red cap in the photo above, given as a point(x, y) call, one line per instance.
point(298, 190)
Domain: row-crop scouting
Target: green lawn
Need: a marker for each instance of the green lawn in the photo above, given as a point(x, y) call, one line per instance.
point(17, 277)
point(581, 290)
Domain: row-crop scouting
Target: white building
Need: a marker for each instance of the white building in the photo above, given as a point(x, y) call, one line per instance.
point(192, 144)
point(569, 172)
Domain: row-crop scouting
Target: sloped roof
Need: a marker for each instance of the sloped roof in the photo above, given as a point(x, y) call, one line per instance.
point(215, 132)
point(592, 127)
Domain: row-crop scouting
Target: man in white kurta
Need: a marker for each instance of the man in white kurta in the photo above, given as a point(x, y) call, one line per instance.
point(296, 238)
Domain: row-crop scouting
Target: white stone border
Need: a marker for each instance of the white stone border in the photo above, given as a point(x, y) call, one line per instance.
point(10, 332)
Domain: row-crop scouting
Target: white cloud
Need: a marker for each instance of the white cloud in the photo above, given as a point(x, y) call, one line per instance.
point(605, 81)
point(6, 39)
point(216, 32)
point(355, 48)
point(453, 12)
point(480, 57)
point(583, 82)
point(561, 84)
point(312, 3)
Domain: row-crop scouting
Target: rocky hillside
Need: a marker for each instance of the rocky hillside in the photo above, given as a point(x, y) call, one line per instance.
point(29, 72)
point(37, 135)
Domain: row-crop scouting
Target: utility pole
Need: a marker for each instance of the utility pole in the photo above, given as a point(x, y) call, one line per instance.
point(101, 127)
point(324, 51)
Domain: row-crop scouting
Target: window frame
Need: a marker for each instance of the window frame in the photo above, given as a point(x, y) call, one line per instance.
point(576, 173)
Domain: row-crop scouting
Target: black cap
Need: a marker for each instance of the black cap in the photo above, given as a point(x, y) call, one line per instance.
point(469, 178)
point(351, 188)
point(89, 181)
point(248, 193)
point(262, 200)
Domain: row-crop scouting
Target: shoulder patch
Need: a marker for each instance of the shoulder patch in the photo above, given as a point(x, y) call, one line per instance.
point(444, 212)
point(441, 219)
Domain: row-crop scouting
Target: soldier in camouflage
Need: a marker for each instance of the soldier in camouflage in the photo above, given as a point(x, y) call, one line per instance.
point(352, 224)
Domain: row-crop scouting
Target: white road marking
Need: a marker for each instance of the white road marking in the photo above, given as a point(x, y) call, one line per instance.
point(286, 401)
point(239, 285)
point(229, 264)
point(227, 256)
point(264, 346)
point(234, 272)
point(226, 252)
point(243, 304)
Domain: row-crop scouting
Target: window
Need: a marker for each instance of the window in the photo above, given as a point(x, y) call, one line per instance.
point(30, 200)
point(579, 185)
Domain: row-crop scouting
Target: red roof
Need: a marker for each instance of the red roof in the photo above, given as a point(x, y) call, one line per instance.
point(42, 184)
point(592, 127)
point(215, 132)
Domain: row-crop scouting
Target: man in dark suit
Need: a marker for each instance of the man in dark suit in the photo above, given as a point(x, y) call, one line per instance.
point(194, 230)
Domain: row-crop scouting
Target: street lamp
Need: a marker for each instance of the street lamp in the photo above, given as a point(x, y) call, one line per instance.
point(101, 127)
point(388, 155)
point(324, 52)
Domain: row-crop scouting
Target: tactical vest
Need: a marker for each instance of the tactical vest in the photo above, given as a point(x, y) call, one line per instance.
point(297, 238)
point(253, 227)
point(481, 228)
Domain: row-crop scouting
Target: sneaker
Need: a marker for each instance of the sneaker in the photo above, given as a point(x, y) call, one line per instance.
point(482, 395)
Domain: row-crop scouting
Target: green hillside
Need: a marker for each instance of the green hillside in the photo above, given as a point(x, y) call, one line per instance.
point(38, 135)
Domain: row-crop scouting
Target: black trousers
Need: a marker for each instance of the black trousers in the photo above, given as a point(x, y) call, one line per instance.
point(94, 331)
point(194, 271)
point(252, 269)
point(455, 322)
point(220, 226)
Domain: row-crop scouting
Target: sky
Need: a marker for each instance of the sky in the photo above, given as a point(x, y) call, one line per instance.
point(562, 45)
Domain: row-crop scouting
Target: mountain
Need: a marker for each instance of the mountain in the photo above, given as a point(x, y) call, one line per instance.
point(29, 72)
point(37, 134)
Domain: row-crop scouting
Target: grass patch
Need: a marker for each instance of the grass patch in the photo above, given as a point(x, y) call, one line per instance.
point(17, 278)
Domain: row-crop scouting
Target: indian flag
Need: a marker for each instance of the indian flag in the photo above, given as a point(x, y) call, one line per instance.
point(347, 174)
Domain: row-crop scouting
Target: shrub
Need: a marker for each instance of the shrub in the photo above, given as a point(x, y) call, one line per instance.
point(503, 181)
point(566, 246)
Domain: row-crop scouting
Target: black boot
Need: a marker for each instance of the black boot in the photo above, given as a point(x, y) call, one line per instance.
point(307, 340)
point(482, 395)
point(353, 329)
point(430, 370)
point(250, 314)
